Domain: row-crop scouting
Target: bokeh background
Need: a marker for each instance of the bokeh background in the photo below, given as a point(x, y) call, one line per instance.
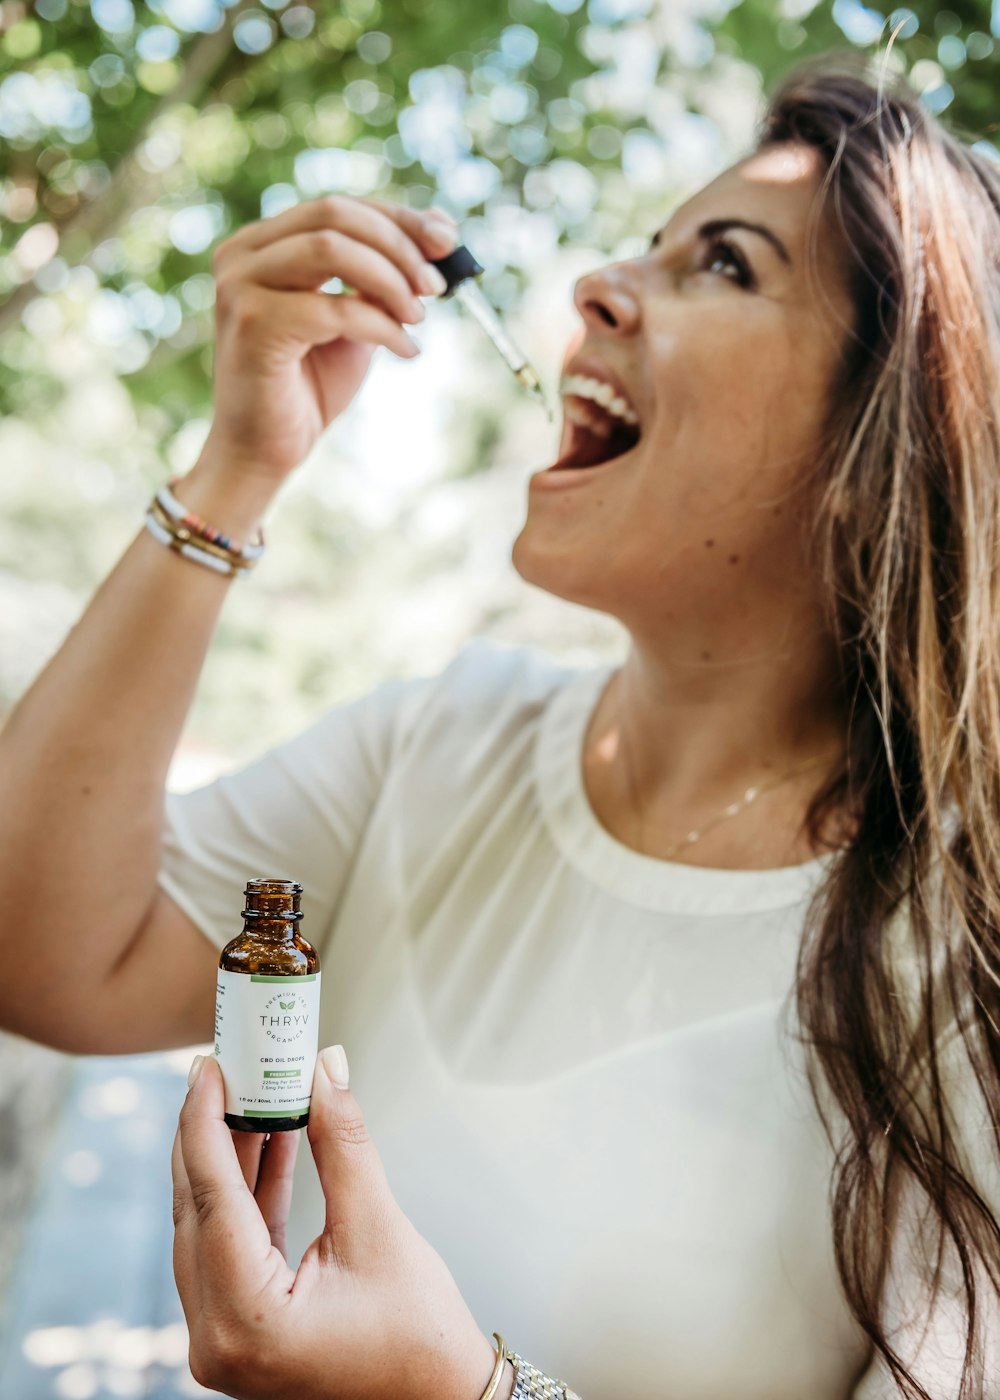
point(134, 136)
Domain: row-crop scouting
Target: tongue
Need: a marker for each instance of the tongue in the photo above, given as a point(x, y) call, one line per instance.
point(587, 449)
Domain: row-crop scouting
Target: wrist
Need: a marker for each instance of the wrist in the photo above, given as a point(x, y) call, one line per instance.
point(230, 499)
point(470, 1377)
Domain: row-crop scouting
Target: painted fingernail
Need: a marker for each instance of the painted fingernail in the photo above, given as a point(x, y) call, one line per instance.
point(334, 1061)
point(431, 282)
point(195, 1069)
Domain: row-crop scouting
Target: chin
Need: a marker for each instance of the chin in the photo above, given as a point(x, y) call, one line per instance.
point(562, 577)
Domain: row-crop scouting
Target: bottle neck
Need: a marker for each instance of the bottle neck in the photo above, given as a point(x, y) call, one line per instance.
point(272, 912)
point(273, 930)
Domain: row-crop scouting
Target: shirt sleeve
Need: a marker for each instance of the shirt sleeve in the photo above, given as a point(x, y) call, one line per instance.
point(931, 1341)
point(298, 812)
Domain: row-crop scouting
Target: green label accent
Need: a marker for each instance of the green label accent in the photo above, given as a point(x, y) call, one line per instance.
point(308, 977)
point(273, 1113)
point(282, 1073)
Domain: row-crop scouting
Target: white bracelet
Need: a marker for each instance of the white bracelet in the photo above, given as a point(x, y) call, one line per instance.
point(190, 550)
point(179, 513)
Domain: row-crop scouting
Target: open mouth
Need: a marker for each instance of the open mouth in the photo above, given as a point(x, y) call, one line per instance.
point(596, 435)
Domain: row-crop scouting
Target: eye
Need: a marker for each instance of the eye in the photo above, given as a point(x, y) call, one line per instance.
point(728, 255)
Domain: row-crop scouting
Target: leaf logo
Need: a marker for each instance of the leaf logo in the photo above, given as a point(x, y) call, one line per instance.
point(287, 1005)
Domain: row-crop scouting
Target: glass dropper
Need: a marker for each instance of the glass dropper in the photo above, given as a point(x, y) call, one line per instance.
point(459, 269)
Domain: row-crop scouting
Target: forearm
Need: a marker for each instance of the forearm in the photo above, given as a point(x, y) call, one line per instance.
point(84, 756)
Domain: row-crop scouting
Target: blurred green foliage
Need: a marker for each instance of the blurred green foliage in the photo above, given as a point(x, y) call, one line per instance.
point(134, 136)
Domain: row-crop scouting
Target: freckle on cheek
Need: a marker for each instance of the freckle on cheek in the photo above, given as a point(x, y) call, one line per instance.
point(777, 510)
point(706, 656)
point(709, 544)
point(734, 558)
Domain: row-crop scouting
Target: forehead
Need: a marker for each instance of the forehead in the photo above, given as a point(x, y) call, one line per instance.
point(777, 186)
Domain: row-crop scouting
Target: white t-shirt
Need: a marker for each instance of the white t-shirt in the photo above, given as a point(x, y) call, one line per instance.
point(574, 1059)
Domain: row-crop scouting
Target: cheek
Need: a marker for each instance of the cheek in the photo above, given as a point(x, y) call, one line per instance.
point(750, 412)
point(714, 385)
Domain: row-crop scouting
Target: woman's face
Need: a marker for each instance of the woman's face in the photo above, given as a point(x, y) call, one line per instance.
point(726, 349)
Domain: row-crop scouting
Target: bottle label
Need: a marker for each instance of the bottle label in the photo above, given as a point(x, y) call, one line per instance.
point(266, 1039)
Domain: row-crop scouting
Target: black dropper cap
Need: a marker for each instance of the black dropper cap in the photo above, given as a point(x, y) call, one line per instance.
point(457, 267)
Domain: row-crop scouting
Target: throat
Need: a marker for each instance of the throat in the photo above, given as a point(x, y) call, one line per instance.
point(589, 449)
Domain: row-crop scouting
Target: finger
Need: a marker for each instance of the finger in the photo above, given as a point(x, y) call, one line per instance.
point(248, 1148)
point(274, 1184)
point(305, 319)
point(350, 1169)
point(304, 261)
point(227, 1234)
point(434, 231)
point(182, 1187)
point(185, 1270)
point(404, 236)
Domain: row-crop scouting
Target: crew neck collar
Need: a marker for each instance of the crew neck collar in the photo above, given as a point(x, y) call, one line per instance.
point(637, 879)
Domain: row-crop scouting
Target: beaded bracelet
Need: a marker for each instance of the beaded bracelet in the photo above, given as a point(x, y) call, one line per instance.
point(183, 535)
point(181, 530)
point(180, 515)
point(190, 551)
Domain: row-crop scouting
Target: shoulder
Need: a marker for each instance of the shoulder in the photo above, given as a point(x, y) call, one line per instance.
point(487, 689)
point(487, 672)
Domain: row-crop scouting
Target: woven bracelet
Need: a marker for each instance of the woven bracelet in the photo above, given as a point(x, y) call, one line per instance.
point(189, 520)
point(192, 550)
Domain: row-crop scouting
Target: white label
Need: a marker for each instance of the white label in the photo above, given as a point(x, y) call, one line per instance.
point(266, 1037)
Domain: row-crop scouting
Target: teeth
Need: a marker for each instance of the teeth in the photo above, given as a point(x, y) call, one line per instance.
point(584, 387)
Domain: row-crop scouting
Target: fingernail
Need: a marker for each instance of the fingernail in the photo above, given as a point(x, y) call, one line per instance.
point(195, 1069)
point(334, 1061)
point(443, 233)
point(441, 215)
point(431, 282)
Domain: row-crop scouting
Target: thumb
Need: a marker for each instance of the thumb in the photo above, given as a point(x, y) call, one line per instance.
point(350, 1169)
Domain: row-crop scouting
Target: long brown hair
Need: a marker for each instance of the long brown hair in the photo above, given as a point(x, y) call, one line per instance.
point(897, 988)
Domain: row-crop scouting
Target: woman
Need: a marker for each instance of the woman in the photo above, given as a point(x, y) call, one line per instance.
point(566, 918)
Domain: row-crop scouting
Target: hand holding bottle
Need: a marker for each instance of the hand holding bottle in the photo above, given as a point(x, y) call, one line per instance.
point(372, 1313)
point(289, 357)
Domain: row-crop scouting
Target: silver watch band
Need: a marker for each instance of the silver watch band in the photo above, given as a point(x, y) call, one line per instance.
point(531, 1384)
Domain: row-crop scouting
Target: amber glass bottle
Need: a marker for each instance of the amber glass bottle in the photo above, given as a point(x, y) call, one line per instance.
point(267, 1013)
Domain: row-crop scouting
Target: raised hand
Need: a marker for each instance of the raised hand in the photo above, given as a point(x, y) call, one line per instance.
point(289, 357)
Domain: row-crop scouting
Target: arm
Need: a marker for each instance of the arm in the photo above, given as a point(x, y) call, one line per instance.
point(83, 762)
point(83, 759)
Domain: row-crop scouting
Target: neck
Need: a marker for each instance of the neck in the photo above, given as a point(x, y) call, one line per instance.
point(674, 742)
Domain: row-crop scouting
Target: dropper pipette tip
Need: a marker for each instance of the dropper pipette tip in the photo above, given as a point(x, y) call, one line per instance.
point(527, 376)
point(537, 393)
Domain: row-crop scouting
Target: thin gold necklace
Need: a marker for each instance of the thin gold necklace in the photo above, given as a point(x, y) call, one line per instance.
point(733, 809)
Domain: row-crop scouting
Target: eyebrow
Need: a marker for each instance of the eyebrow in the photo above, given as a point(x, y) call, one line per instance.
point(717, 226)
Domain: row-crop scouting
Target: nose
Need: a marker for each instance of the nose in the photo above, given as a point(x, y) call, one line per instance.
point(605, 300)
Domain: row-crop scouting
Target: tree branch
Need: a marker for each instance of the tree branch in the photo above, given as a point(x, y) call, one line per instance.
point(126, 189)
